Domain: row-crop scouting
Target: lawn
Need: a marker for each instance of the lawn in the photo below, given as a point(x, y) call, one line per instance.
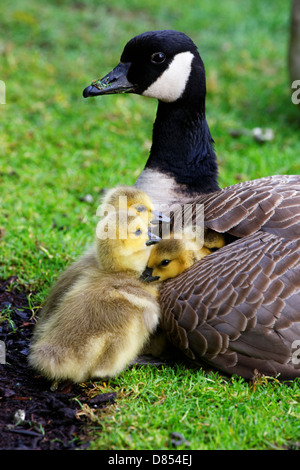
point(58, 152)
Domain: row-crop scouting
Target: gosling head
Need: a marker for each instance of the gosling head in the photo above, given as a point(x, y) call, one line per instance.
point(133, 200)
point(171, 257)
point(121, 242)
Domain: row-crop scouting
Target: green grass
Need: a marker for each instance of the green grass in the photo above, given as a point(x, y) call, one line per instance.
point(56, 148)
point(210, 412)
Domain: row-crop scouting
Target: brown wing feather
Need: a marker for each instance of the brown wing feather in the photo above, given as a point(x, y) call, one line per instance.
point(270, 204)
point(246, 297)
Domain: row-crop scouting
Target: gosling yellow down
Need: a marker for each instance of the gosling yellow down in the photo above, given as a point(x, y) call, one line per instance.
point(106, 316)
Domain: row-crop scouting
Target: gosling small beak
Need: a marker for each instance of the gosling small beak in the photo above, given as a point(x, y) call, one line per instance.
point(146, 276)
point(159, 217)
point(114, 82)
point(152, 238)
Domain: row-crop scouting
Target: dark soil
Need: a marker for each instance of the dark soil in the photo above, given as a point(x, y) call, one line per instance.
point(51, 421)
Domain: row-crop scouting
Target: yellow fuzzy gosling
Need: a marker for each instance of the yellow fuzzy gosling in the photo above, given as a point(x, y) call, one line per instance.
point(136, 202)
point(213, 240)
point(103, 321)
point(170, 257)
point(121, 242)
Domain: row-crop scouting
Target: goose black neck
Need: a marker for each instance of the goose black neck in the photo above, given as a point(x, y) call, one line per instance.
point(183, 147)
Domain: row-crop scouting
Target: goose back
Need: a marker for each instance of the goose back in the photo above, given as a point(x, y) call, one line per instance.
point(238, 309)
point(270, 204)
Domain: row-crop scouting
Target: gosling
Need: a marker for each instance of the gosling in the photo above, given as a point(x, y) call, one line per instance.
point(170, 257)
point(136, 202)
point(213, 240)
point(106, 317)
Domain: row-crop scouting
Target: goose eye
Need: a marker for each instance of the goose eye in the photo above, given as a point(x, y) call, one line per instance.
point(158, 57)
point(138, 232)
point(141, 208)
point(165, 262)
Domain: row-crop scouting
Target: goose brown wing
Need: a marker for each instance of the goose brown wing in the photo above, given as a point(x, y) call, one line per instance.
point(270, 204)
point(238, 309)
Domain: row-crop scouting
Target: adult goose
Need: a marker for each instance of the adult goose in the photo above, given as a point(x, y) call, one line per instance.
point(237, 309)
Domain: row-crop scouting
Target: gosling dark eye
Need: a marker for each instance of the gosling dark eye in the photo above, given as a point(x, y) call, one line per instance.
point(165, 262)
point(138, 232)
point(141, 208)
point(158, 57)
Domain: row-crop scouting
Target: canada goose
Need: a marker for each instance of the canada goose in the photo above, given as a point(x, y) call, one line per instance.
point(237, 309)
point(106, 316)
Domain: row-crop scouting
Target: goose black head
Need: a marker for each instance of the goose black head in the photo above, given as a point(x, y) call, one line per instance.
point(166, 65)
point(157, 64)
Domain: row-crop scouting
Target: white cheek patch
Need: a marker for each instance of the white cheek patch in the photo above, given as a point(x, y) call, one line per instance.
point(171, 84)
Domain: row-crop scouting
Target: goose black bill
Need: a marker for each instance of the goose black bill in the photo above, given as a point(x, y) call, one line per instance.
point(146, 276)
point(114, 82)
